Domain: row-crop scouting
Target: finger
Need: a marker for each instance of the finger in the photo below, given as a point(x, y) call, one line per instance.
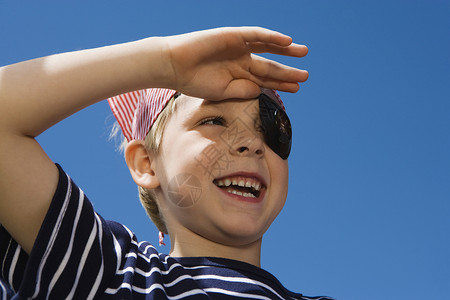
point(271, 70)
point(291, 50)
point(290, 87)
point(264, 82)
point(241, 89)
point(250, 89)
point(258, 34)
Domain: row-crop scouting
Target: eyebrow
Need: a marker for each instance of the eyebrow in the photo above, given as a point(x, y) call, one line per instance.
point(199, 112)
point(215, 108)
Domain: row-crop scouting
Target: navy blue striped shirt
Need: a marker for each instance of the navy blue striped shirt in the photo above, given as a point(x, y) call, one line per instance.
point(79, 255)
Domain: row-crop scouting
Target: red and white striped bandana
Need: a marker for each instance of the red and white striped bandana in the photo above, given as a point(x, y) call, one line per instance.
point(137, 111)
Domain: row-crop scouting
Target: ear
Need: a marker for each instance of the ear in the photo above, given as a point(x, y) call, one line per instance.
point(139, 161)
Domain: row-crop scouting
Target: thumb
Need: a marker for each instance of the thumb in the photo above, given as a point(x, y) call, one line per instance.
point(241, 89)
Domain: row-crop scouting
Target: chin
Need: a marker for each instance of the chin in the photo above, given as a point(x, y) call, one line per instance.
point(240, 234)
point(238, 241)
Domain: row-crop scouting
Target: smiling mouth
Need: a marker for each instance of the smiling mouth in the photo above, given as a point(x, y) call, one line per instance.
point(249, 187)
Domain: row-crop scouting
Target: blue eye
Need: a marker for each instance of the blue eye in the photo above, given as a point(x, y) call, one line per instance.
point(213, 121)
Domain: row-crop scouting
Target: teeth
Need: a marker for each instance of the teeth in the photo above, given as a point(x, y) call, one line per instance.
point(235, 192)
point(242, 182)
point(248, 195)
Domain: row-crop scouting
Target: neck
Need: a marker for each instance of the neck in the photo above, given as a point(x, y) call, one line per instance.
point(190, 244)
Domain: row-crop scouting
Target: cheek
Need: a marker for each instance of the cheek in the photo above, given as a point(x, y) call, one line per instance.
point(184, 190)
point(279, 169)
point(179, 152)
point(286, 175)
point(280, 178)
point(181, 176)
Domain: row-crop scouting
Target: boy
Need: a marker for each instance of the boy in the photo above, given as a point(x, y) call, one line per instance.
point(53, 245)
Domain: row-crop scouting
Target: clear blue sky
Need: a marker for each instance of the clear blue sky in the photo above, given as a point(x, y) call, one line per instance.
point(368, 211)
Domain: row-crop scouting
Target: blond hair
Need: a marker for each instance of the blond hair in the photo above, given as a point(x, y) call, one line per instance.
point(152, 142)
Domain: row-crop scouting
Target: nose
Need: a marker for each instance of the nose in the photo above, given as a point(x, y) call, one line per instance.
point(248, 145)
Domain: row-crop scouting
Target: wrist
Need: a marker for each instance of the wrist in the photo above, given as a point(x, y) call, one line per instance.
point(155, 63)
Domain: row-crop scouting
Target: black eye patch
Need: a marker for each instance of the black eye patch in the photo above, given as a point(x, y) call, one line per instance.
point(276, 126)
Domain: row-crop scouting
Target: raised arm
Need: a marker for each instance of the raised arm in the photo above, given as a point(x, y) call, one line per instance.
point(36, 94)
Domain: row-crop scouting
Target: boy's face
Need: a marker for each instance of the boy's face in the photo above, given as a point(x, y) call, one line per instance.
point(217, 176)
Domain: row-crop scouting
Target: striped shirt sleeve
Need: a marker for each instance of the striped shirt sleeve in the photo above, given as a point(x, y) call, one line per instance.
point(74, 254)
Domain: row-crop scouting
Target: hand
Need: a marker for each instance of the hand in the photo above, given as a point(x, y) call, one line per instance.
point(220, 64)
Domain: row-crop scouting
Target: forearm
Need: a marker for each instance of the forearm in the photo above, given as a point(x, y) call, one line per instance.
point(36, 94)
